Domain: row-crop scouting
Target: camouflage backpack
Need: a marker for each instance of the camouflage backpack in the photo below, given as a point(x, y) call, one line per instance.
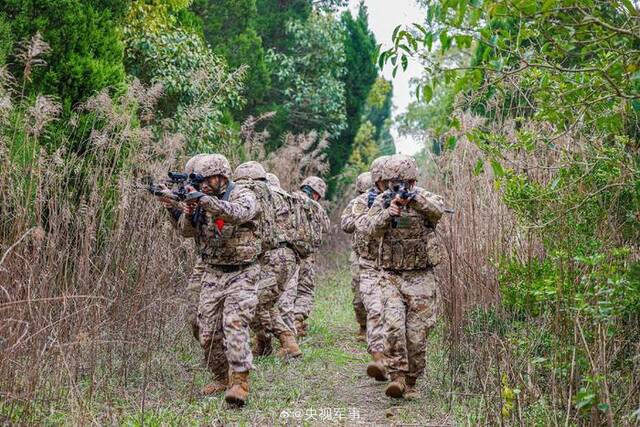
point(307, 225)
point(267, 221)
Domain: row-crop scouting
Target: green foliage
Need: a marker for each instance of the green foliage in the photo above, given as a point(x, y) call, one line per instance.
point(229, 26)
point(307, 78)
point(273, 18)
point(85, 41)
point(361, 72)
point(6, 39)
point(198, 89)
point(377, 110)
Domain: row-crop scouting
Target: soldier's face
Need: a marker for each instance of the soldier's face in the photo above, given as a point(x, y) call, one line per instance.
point(382, 185)
point(214, 184)
point(316, 196)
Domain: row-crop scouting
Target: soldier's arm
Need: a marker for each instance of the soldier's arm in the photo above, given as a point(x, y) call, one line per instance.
point(347, 220)
point(242, 206)
point(371, 221)
point(428, 204)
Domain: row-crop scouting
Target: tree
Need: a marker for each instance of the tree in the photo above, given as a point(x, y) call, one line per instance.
point(229, 26)
point(307, 78)
point(85, 37)
point(377, 110)
point(361, 72)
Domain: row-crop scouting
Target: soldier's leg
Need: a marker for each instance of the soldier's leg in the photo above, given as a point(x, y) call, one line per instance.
point(395, 340)
point(358, 305)
point(283, 325)
point(371, 292)
point(421, 294)
point(211, 335)
point(267, 297)
point(304, 298)
point(239, 309)
point(283, 313)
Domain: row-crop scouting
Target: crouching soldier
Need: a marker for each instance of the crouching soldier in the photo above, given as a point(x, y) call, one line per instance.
point(228, 239)
point(404, 218)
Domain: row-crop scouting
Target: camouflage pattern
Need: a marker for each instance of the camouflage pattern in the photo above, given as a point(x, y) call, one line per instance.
point(412, 244)
point(194, 163)
point(228, 299)
point(239, 241)
point(371, 294)
point(213, 164)
point(347, 223)
point(250, 170)
point(273, 180)
point(282, 314)
point(410, 300)
point(317, 184)
point(306, 287)
point(363, 182)
point(363, 244)
point(309, 225)
point(400, 167)
point(277, 268)
point(377, 167)
point(265, 223)
point(358, 305)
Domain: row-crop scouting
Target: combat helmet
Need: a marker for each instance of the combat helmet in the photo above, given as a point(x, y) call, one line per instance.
point(272, 179)
point(192, 163)
point(400, 167)
point(316, 184)
point(363, 182)
point(250, 170)
point(376, 168)
point(213, 164)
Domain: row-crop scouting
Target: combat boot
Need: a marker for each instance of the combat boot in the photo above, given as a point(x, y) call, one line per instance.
point(262, 345)
point(213, 388)
point(218, 384)
point(289, 346)
point(362, 334)
point(411, 392)
point(238, 389)
point(375, 368)
point(396, 387)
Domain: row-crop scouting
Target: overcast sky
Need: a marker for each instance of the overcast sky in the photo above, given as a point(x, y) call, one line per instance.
point(384, 16)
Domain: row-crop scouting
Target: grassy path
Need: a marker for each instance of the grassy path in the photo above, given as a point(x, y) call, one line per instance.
point(328, 385)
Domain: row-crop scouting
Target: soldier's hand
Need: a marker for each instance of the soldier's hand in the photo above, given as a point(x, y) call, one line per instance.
point(167, 202)
point(395, 209)
point(400, 201)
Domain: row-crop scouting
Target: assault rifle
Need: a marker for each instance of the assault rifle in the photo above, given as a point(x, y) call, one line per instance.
point(397, 189)
point(175, 187)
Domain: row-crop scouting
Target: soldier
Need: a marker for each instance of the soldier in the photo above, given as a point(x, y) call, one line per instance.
point(347, 223)
point(403, 219)
point(278, 262)
point(192, 291)
point(370, 290)
point(225, 220)
point(312, 189)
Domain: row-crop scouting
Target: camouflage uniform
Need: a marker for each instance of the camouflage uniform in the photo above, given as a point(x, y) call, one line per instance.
point(407, 253)
point(306, 275)
point(347, 223)
point(229, 245)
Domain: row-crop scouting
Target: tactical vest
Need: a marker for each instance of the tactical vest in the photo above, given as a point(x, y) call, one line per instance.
point(411, 245)
point(228, 244)
point(307, 227)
